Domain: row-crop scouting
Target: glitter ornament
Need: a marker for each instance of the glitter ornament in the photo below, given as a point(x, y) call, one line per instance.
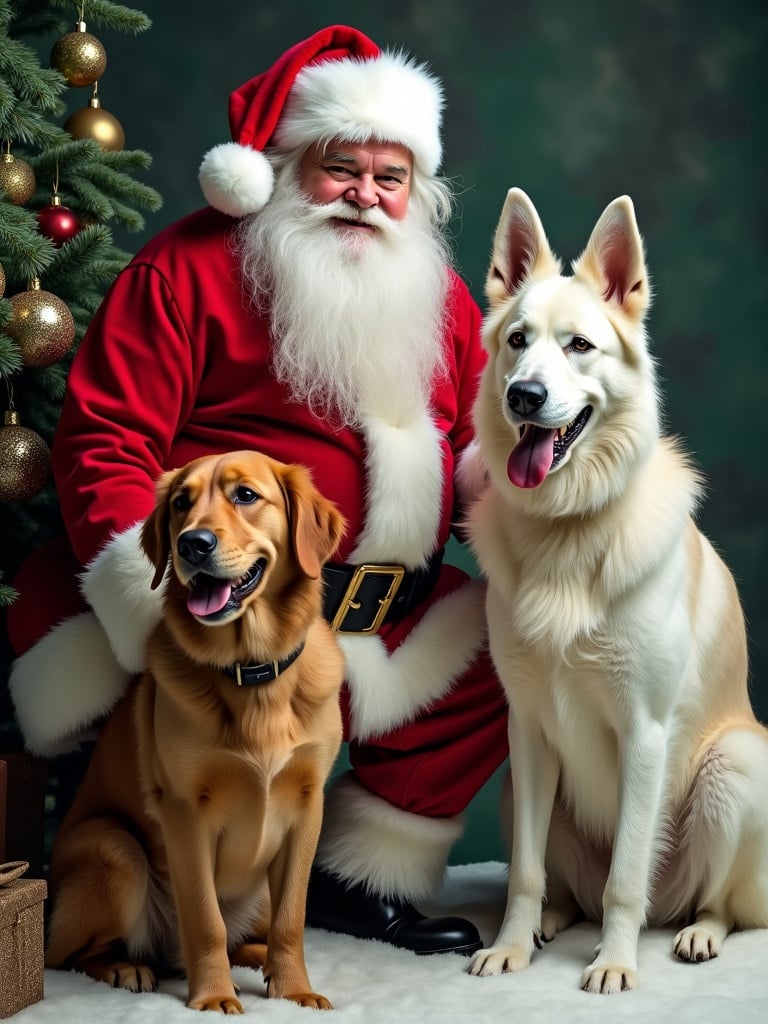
point(79, 57)
point(25, 460)
point(57, 221)
point(41, 325)
point(17, 179)
point(2, 281)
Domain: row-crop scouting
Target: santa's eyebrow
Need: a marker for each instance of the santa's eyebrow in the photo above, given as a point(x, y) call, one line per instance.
point(397, 169)
point(345, 158)
point(342, 158)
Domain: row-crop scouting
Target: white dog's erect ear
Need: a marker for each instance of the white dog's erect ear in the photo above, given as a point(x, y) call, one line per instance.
point(614, 260)
point(520, 248)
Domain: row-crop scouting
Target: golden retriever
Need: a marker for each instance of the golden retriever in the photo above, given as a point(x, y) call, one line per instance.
point(639, 772)
point(191, 837)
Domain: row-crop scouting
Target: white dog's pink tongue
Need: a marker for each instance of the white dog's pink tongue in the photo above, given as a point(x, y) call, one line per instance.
point(209, 596)
point(529, 463)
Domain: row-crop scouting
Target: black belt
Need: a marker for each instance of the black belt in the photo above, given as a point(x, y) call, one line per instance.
point(359, 598)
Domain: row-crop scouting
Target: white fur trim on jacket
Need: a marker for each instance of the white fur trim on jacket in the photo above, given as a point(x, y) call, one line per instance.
point(117, 585)
point(387, 690)
point(393, 852)
point(64, 683)
point(402, 501)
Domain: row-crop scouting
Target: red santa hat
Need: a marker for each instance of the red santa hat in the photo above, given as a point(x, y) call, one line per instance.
point(336, 84)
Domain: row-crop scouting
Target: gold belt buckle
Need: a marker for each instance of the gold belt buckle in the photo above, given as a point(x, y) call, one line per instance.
point(348, 603)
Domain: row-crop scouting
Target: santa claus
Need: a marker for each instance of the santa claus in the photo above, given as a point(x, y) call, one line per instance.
point(309, 311)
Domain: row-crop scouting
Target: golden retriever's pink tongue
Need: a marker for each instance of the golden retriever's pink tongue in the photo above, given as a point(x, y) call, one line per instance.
point(529, 463)
point(209, 596)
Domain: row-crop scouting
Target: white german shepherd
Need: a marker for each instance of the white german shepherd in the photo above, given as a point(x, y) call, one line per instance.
point(639, 771)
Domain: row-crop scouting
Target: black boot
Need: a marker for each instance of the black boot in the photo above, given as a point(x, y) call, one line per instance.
point(337, 907)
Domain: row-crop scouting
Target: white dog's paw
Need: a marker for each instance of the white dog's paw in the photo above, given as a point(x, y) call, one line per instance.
point(608, 978)
point(696, 944)
point(499, 960)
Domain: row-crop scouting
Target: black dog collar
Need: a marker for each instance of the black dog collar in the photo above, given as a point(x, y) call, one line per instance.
point(255, 675)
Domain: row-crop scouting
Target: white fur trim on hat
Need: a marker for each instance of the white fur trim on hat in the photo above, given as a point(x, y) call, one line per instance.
point(64, 683)
point(117, 585)
point(236, 179)
point(389, 98)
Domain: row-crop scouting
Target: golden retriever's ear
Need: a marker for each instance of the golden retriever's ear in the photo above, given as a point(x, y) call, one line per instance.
point(317, 526)
point(155, 536)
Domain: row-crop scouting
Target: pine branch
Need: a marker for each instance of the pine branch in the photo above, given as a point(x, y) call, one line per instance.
point(109, 15)
point(30, 17)
point(32, 252)
point(10, 356)
point(32, 83)
point(53, 381)
point(98, 186)
point(73, 265)
point(98, 183)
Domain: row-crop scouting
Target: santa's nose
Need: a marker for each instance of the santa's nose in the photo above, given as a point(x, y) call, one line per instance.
point(362, 192)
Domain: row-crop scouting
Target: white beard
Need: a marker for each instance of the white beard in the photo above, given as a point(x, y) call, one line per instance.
point(356, 318)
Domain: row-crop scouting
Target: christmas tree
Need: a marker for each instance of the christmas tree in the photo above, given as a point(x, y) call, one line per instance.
point(65, 184)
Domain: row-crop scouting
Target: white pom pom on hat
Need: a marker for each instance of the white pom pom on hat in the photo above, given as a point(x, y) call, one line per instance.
point(236, 179)
point(335, 84)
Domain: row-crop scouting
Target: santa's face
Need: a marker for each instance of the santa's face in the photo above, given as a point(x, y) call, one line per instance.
point(375, 175)
point(356, 312)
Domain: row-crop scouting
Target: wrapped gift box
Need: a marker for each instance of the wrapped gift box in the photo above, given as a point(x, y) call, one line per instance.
point(21, 938)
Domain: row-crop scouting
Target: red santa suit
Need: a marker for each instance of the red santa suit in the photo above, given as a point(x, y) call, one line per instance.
point(424, 715)
point(176, 364)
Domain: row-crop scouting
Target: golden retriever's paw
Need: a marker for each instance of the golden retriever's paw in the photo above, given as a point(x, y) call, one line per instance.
point(133, 977)
point(310, 999)
point(217, 1004)
point(499, 960)
point(608, 978)
point(695, 944)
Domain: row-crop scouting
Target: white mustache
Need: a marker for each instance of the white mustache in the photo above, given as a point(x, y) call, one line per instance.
point(341, 210)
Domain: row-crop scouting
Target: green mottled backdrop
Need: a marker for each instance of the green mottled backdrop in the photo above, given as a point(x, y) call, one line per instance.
point(576, 103)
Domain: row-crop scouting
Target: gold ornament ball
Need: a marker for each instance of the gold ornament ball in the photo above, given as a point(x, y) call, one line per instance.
point(93, 122)
point(79, 56)
point(17, 179)
point(41, 325)
point(25, 461)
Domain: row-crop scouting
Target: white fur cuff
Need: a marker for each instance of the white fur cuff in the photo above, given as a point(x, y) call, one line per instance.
point(387, 690)
point(117, 585)
point(64, 683)
point(395, 853)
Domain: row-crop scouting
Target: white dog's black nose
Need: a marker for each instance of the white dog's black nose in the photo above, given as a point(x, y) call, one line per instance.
point(195, 546)
point(526, 396)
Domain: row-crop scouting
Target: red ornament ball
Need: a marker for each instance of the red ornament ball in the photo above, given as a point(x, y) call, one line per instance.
point(58, 223)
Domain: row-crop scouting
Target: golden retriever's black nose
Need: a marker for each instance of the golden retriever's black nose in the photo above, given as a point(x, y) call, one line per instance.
point(526, 396)
point(195, 546)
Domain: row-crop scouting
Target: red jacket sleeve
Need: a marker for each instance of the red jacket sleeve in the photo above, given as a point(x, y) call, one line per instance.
point(122, 409)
